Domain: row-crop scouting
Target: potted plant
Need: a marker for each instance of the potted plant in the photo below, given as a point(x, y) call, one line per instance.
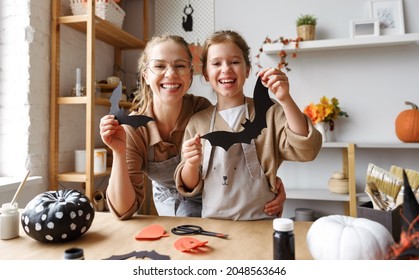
point(306, 27)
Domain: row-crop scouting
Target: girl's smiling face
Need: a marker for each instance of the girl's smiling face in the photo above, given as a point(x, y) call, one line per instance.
point(170, 86)
point(226, 71)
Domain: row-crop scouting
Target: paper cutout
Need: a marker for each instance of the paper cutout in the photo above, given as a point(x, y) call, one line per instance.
point(252, 129)
point(121, 114)
point(140, 255)
point(152, 232)
point(186, 244)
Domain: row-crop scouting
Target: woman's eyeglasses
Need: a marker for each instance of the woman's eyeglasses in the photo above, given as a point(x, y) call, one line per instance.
point(160, 66)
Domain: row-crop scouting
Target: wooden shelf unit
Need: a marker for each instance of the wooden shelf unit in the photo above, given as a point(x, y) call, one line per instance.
point(322, 193)
point(95, 28)
point(348, 149)
point(348, 167)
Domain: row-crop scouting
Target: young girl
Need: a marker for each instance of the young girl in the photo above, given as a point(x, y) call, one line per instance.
point(153, 150)
point(235, 183)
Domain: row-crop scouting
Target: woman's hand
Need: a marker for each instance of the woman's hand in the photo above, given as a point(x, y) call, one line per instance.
point(276, 81)
point(112, 133)
point(275, 207)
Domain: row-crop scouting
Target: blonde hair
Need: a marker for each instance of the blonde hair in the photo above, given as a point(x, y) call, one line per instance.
point(223, 36)
point(144, 95)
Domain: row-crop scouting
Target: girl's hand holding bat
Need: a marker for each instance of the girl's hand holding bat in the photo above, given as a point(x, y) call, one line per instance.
point(192, 151)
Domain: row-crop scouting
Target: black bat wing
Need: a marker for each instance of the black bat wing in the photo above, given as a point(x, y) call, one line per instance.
point(252, 129)
point(114, 99)
point(223, 139)
point(122, 257)
point(134, 120)
point(122, 115)
point(262, 103)
point(139, 255)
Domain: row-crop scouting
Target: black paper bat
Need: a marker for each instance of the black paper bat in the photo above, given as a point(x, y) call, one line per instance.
point(122, 115)
point(140, 255)
point(252, 129)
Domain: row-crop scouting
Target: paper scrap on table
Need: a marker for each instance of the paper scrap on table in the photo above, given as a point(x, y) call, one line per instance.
point(187, 244)
point(151, 232)
point(140, 255)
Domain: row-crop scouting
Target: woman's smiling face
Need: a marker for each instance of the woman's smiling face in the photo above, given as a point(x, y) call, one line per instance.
point(170, 86)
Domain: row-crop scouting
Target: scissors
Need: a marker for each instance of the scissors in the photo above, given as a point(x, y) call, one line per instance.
point(194, 229)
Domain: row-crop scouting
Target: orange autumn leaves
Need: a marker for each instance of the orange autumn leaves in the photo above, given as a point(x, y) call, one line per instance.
point(325, 111)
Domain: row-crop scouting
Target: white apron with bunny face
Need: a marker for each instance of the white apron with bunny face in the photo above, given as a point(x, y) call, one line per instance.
point(235, 186)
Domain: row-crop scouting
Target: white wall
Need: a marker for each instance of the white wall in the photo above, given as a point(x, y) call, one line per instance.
point(24, 93)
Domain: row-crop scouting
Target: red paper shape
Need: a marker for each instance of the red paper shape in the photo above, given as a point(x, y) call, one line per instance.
point(186, 244)
point(151, 232)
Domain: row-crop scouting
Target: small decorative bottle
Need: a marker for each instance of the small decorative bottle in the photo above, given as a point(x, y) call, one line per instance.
point(283, 239)
point(9, 225)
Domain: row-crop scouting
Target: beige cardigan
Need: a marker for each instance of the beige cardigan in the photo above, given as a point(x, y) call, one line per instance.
point(139, 139)
point(274, 145)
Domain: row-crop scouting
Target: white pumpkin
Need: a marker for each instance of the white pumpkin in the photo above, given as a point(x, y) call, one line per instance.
point(339, 237)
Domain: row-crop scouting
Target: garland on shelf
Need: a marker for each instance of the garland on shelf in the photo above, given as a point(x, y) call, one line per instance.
point(282, 64)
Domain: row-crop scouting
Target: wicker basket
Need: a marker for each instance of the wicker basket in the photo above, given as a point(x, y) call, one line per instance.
point(106, 9)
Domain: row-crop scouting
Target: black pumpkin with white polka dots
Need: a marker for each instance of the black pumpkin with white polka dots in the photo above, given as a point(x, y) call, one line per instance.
point(58, 216)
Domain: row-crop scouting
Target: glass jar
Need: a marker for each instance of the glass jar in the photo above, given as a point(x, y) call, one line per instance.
point(9, 221)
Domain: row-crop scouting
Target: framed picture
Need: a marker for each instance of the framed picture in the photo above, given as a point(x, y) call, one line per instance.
point(364, 27)
point(389, 14)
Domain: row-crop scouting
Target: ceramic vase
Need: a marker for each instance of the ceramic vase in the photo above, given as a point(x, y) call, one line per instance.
point(324, 129)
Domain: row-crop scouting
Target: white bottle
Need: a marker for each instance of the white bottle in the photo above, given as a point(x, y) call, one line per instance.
point(9, 221)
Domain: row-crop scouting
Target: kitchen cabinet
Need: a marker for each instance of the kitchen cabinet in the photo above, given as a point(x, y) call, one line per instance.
point(94, 28)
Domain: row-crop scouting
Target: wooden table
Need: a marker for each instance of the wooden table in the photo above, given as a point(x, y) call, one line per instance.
point(248, 240)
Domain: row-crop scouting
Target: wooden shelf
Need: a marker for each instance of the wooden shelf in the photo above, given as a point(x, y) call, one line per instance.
point(322, 194)
point(348, 164)
point(388, 145)
point(105, 32)
point(79, 177)
point(72, 100)
point(347, 43)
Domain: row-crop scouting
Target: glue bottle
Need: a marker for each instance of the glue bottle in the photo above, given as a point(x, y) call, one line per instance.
point(9, 221)
point(283, 239)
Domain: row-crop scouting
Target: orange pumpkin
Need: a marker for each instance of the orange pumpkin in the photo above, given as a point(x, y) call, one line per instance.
point(407, 124)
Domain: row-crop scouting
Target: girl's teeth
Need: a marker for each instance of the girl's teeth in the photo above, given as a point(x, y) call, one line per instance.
point(226, 81)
